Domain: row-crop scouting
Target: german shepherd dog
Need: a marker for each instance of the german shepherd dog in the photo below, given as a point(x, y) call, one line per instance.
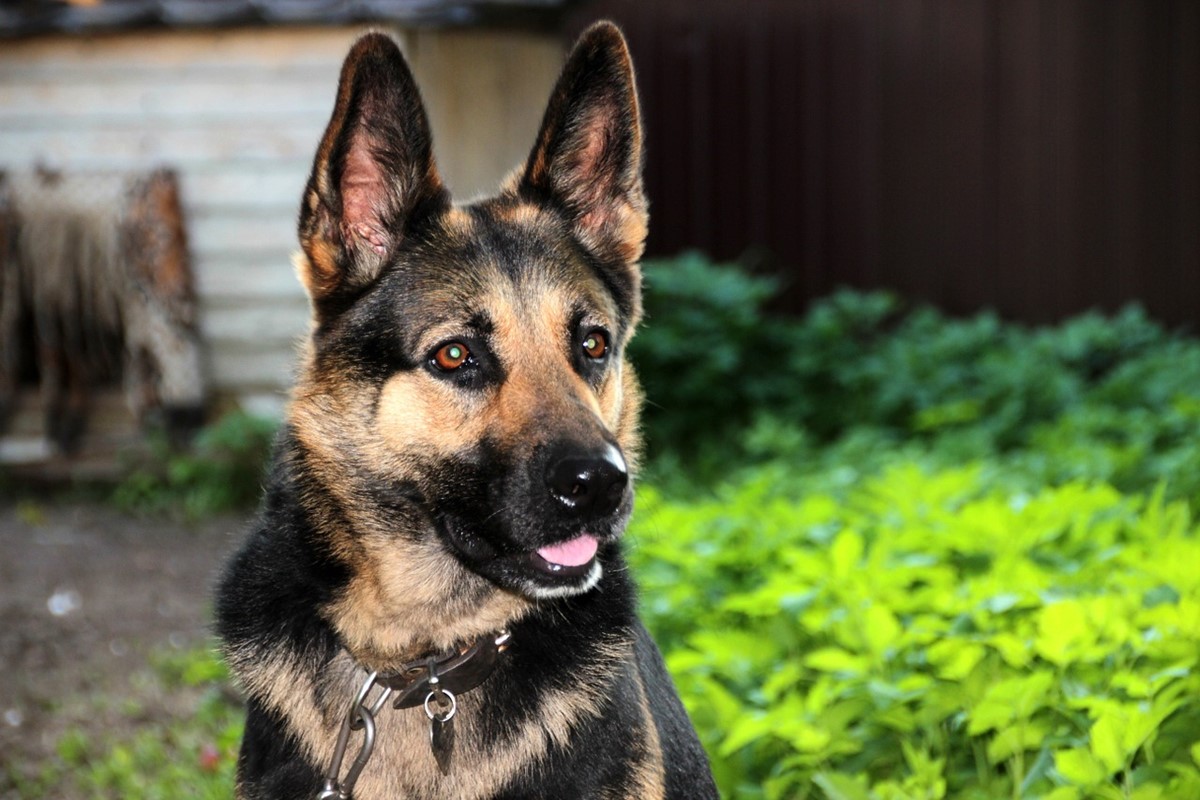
point(433, 603)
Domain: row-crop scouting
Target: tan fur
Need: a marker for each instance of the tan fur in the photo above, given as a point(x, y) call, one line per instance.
point(419, 413)
point(649, 770)
point(396, 585)
point(395, 581)
point(402, 763)
point(319, 271)
point(480, 769)
point(623, 224)
point(542, 383)
point(305, 271)
point(526, 215)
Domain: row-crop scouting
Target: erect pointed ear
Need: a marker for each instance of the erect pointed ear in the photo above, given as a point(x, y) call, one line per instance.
point(588, 155)
point(373, 176)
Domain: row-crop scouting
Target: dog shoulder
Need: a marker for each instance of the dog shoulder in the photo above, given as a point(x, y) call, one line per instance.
point(687, 773)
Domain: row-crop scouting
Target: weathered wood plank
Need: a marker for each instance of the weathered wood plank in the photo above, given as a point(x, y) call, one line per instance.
point(277, 325)
point(245, 372)
point(270, 189)
point(485, 92)
point(246, 234)
point(242, 276)
point(116, 146)
point(52, 101)
point(283, 49)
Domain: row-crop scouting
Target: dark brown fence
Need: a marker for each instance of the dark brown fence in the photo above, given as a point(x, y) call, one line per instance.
point(1038, 157)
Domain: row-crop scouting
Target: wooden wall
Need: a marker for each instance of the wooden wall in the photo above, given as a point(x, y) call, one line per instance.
point(1039, 157)
point(239, 112)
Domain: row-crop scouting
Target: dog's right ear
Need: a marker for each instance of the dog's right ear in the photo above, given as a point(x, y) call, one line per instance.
point(373, 176)
point(587, 159)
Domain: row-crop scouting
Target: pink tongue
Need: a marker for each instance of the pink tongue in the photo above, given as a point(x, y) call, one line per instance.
point(574, 553)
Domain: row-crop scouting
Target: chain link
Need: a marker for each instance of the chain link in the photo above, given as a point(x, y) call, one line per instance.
point(360, 717)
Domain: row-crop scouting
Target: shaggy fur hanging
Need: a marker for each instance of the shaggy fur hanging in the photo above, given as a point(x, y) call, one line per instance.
point(95, 285)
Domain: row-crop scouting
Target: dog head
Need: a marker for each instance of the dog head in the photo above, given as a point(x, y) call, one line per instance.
point(464, 395)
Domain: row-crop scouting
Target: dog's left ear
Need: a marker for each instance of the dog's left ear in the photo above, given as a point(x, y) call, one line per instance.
point(588, 155)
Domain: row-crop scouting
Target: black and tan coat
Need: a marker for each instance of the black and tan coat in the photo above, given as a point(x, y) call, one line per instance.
point(456, 461)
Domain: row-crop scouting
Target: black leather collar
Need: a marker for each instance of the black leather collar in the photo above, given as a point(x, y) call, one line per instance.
point(458, 671)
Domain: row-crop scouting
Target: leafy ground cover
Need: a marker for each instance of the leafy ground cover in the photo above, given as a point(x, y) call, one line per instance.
point(944, 558)
point(932, 635)
point(911, 557)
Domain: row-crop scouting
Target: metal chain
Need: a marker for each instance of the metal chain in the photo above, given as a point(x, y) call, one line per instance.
point(360, 716)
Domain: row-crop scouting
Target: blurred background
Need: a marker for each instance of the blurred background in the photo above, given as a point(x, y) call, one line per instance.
point(922, 285)
point(1032, 157)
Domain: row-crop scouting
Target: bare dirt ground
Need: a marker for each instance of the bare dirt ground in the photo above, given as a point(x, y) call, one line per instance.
point(87, 594)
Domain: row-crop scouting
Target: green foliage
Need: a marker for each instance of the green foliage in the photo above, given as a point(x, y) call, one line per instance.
point(222, 470)
point(159, 759)
point(856, 614)
point(1114, 398)
point(704, 332)
point(931, 635)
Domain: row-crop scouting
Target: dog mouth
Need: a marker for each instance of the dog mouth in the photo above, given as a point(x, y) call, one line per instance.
point(565, 567)
point(572, 558)
point(562, 569)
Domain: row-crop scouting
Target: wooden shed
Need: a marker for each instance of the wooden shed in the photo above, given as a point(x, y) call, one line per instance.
point(234, 96)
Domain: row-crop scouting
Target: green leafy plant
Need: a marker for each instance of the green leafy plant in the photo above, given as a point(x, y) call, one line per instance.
point(705, 329)
point(1109, 397)
point(222, 470)
point(932, 634)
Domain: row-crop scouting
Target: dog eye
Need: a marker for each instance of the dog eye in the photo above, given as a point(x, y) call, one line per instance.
point(451, 356)
point(595, 345)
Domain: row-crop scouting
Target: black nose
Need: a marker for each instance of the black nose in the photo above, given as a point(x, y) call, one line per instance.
point(588, 485)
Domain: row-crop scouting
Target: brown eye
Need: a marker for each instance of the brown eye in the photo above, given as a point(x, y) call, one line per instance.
point(451, 356)
point(595, 345)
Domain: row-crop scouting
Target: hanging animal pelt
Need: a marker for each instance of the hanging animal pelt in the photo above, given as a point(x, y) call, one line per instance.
point(96, 287)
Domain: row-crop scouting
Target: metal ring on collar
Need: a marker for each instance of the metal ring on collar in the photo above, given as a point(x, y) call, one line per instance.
point(429, 712)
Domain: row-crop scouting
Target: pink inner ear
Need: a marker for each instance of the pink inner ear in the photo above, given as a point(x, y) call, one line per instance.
point(364, 195)
point(590, 178)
